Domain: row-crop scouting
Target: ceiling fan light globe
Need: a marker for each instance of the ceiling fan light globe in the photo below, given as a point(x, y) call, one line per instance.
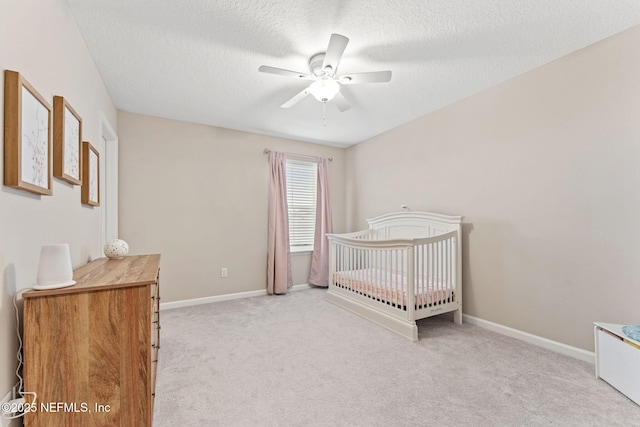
point(324, 89)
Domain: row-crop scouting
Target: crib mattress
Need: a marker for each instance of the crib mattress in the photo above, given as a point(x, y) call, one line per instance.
point(391, 287)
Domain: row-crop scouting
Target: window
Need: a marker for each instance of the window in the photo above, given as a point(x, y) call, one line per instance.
point(301, 197)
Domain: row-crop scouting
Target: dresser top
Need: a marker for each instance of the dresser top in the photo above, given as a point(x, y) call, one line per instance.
point(105, 273)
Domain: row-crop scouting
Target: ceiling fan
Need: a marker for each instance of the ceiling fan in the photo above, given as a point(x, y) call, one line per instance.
point(326, 83)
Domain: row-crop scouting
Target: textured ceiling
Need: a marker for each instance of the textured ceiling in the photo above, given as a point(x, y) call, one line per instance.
point(197, 60)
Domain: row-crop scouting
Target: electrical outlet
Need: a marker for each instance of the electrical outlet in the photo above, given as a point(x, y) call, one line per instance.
point(224, 272)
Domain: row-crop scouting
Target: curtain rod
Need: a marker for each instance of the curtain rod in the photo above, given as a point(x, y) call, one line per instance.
point(299, 156)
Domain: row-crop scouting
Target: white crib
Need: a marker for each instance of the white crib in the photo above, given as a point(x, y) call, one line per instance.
point(405, 267)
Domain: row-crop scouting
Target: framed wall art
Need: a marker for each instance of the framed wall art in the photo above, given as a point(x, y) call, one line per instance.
point(27, 136)
point(90, 175)
point(67, 141)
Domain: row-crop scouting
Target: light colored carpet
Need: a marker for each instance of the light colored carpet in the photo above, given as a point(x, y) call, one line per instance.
point(297, 360)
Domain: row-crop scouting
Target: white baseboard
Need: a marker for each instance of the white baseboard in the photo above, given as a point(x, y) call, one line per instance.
point(226, 297)
point(567, 350)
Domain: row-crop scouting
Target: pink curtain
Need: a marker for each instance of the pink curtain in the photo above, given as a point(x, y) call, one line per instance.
point(278, 260)
point(319, 274)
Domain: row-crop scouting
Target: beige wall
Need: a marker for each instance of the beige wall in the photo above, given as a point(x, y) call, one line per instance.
point(198, 195)
point(545, 169)
point(41, 41)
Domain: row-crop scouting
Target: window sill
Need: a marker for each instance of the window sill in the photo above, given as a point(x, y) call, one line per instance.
point(306, 251)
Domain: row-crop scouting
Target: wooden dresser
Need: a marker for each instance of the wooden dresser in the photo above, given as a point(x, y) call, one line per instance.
point(91, 350)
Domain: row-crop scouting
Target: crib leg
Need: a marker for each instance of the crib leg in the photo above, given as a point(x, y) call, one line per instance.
point(457, 316)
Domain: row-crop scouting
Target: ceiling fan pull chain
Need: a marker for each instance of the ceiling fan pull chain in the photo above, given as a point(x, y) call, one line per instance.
point(324, 114)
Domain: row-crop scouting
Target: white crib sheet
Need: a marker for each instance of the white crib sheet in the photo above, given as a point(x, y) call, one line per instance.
point(391, 286)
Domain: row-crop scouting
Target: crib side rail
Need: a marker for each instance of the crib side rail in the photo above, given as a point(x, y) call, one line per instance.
point(373, 269)
point(354, 254)
point(412, 274)
point(437, 270)
point(435, 239)
point(366, 239)
point(366, 234)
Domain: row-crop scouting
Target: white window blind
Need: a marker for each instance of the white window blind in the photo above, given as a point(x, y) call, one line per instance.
point(301, 197)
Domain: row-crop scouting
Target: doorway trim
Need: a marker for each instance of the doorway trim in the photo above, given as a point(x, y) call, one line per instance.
point(110, 212)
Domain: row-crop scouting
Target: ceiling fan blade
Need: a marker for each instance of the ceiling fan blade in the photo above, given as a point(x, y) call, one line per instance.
point(341, 102)
point(372, 77)
point(287, 73)
point(299, 97)
point(337, 44)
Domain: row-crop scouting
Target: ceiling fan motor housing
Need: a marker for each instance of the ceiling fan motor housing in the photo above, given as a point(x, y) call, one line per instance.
point(315, 65)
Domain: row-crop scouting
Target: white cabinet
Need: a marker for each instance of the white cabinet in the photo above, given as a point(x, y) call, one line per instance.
point(618, 359)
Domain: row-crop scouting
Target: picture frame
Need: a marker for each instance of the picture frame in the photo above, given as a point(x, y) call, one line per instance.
point(27, 137)
point(90, 194)
point(67, 142)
